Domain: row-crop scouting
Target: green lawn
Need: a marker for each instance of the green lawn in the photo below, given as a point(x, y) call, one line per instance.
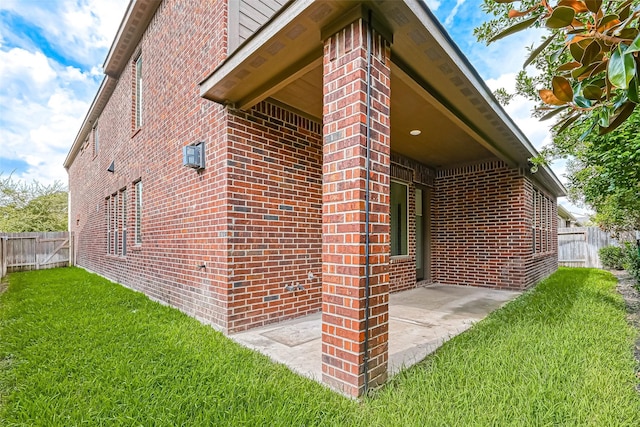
point(78, 349)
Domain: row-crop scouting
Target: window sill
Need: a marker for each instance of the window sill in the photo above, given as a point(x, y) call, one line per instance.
point(136, 132)
point(395, 259)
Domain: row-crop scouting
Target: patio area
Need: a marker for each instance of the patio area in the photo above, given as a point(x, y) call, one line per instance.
point(420, 321)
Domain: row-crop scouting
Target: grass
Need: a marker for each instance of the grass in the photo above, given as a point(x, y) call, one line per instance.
point(77, 349)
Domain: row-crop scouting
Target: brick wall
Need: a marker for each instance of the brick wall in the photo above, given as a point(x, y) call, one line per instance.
point(184, 211)
point(482, 216)
point(275, 216)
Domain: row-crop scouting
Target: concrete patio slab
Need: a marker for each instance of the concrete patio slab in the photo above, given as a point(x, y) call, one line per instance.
point(420, 321)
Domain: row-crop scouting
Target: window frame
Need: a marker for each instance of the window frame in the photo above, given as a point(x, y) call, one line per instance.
point(137, 93)
point(404, 251)
point(123, 202)
point(116, 228)
point(138, 213)
point(542, 223)
point(108, 212)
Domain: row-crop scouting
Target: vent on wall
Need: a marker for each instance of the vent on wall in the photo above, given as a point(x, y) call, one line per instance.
point(193, 155)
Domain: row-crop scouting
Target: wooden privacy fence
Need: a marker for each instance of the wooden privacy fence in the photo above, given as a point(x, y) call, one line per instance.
point(579, 246)
point(35, 251)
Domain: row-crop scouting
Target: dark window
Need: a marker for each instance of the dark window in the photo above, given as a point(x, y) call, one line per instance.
point(399, 219)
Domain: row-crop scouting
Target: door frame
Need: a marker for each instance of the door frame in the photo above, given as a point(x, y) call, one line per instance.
point(427, 196)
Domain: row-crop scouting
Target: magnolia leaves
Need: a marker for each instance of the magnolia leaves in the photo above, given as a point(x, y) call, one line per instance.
point(595, 54)
point(561, 94)
point(621, 69)
point(562, 16)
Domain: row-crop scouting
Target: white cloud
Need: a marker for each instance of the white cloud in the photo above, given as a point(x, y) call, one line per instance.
point(22, 71)
point(79, 29)
point(453, 13)
point(43, 99)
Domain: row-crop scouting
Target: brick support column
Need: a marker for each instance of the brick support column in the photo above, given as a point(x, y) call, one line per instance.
point(344, 210)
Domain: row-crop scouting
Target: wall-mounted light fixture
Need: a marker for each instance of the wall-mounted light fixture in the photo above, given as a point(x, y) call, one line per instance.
point(193, 155)
point(112, 167)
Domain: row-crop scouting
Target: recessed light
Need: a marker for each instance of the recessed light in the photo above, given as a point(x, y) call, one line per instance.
point(415, 132)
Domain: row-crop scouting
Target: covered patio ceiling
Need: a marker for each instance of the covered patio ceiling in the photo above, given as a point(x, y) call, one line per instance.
point(434, 89)
point(442, 140)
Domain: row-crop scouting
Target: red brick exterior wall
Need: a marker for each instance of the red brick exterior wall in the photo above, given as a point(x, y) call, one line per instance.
point(184, 211)
point(482, 228)
point(344, 352)
point(274, 217)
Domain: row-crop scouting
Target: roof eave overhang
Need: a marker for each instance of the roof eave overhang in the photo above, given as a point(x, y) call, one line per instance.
point(421, 48)
point(107, 87)
point(133, 25)
point(563, 213)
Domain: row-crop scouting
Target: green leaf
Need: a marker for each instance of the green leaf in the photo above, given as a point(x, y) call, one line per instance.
point(592, 92)
point(537, 50)
point(555, 56)
point(582, 102)
point(562, 16)
point(577, 51)
point(584, 72)
point(553, 113)
point(593, 5)
point(605, 114)
point(632, 93)
point(634, 46)
point(608, 21)
point(566, 123)
point(514, 28)
point(588, 131)
point(622, 68)
point(600, 67)
point(590, 53)
point(624, 113)
point(624, 9)
point(626, 33)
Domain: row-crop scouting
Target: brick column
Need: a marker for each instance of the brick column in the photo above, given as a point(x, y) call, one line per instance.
point(343, 230)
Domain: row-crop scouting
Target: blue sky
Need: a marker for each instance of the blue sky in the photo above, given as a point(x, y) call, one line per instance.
point(52, 51)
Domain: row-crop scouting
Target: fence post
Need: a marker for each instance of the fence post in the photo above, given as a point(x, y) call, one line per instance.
point(72, 254)
point(3, 257)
